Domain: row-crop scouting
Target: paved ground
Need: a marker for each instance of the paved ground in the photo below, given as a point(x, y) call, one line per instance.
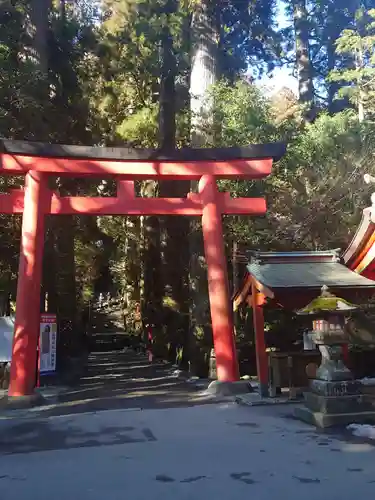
point(124, 380)
point(117, 380)
point(222, 451)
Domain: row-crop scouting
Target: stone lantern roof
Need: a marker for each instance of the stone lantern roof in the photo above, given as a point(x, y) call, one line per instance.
point(327, 302)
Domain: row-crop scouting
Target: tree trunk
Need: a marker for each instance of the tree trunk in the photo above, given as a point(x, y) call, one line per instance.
point(360, 65)
point(304, 67)
point(65, 269)
point(49, 290)
point(152, 280)
point(332, 87)
point(62, 9)
point(39, 18)
point(361, 106)
point(39, 12)
point(235, 282)
point(205, 40)
point(65, 226)
point(132, 275)
point(334, 29)
point(167, 94)
point(174, 230)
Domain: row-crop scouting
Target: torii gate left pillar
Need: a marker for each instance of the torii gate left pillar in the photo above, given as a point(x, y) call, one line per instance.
point(37, 200)
point(26, 329)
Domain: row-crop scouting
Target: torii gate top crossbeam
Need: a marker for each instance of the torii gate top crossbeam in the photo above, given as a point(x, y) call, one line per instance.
point(251, 162)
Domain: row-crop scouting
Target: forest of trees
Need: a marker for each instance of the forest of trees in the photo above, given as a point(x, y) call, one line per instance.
point(173, 73)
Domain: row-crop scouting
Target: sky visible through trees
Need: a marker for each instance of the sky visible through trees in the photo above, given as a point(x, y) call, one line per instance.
point(281, 77)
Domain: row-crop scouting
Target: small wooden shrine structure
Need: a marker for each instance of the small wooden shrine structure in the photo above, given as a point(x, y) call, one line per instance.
point(291, 280)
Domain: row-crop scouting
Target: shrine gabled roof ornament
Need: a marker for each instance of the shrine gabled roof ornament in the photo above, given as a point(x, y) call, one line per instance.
point(360, 254)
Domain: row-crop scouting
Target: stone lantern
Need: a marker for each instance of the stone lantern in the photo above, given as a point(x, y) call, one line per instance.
point(334, 397)
point(328, 314)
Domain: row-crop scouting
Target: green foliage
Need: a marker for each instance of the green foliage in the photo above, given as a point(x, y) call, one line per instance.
point(316, 192)
point(245, 104)
point(141, 128)
point(323, 189)
point(358, 80)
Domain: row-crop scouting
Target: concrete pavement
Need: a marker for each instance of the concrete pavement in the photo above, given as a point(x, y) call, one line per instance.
point(156, 440)
point(221, 451)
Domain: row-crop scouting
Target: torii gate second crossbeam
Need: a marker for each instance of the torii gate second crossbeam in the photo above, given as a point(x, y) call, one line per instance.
point(36, 161)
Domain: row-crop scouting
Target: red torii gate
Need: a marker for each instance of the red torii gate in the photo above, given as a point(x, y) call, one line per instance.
point(38, 160)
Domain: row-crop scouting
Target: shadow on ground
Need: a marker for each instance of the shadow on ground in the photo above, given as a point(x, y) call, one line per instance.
point(112, 381)
point(68, 433)
point(118, 380)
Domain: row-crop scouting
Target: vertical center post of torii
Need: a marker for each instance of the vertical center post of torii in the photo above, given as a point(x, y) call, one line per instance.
point(221, 313)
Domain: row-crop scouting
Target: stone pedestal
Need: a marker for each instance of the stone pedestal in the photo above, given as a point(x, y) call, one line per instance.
point(331, 403)
point(334, 397)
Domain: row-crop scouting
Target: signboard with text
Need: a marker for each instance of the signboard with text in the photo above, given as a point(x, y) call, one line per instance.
point(47, 344)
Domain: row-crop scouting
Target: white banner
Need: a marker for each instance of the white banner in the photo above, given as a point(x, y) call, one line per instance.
point(6, 338)
point(47, 344)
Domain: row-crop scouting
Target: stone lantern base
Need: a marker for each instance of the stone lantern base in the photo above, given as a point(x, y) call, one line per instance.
point(334, 397)
point(329, 404)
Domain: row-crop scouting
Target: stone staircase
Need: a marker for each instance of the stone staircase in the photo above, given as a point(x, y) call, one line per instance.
point(107, 319)
point(106, 327)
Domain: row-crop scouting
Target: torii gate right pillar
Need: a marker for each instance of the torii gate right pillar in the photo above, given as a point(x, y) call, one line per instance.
point(221, 314)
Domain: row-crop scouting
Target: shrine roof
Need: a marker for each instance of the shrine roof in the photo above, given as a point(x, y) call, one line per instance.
point(299, 276)
point(253, 151)
point(308, 275)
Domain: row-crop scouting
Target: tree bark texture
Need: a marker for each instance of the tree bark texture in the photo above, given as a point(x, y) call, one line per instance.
point(304, 67)
point(205, 43)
